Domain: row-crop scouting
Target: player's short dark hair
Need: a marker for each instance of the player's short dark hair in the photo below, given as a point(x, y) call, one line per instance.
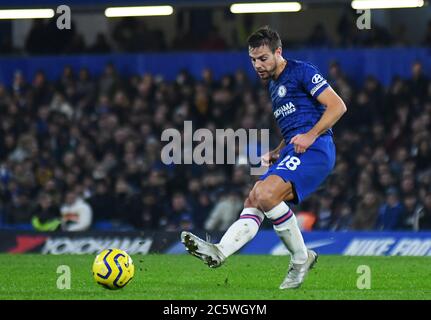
point(265, 36)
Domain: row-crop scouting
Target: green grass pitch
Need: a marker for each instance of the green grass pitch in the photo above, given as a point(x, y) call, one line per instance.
point(160, 277)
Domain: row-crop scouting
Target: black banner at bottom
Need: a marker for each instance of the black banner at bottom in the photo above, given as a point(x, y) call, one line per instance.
point(220, 309)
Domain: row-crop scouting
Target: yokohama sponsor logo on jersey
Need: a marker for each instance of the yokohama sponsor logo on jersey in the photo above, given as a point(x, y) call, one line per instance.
point(284, 110)
point(93, 245)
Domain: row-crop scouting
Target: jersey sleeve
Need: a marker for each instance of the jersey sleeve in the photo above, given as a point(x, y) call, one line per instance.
point(312, 80)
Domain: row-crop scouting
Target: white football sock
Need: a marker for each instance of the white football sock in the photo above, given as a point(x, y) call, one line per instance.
point(241, 231)
point(286, 227)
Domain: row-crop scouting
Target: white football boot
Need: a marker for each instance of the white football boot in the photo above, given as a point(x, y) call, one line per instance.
point(207, 252)
point(297, 272)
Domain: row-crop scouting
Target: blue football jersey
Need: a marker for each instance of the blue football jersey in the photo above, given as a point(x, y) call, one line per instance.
point(294, 98)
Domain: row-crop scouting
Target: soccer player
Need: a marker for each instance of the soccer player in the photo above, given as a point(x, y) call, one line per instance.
point(305, 108)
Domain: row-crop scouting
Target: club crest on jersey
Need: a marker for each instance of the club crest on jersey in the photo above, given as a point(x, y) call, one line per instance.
point(316, 78)
point(281, 91)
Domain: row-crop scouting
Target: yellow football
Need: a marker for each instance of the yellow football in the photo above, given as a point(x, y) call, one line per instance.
point(113, 269)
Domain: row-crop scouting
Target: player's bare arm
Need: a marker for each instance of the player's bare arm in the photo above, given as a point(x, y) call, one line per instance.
point(335, 108)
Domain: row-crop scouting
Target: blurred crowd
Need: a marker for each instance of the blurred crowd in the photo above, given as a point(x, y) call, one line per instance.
point(84, 152)
point(201, 34)
point(382, 178)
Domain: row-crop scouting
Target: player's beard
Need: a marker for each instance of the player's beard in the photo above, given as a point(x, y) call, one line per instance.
point(268, 74)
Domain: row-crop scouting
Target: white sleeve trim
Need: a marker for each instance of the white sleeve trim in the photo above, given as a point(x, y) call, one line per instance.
point(317, 87)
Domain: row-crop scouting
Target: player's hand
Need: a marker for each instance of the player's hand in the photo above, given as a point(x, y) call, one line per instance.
point(303, 141)
point(269, 158)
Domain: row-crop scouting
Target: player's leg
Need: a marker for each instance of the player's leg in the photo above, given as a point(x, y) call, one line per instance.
point(271, 195)
point(238, 234)
point(245, 228)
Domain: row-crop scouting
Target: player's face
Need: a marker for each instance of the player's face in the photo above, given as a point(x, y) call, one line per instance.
point(264, 61)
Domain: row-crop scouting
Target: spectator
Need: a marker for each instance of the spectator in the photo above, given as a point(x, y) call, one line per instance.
point(427, 38)
point(76, 214)
point(203, 208)
point(423, 216)
point(324, 213)
point(19, 212)
point(102, 202)
point(347, 30)
point(366, 212)
point(343, 219)
point(109, 80)
point(423, 155)
point(76, 45)
point(46, 216)
point(180, 213)
point(391, 213)
point(225, 212)
point(419, 82)
point(36, 39)
point(124, 34)
point(124, 202)
point(402, 39)
point(101, 45)
point(413, 210)
point(213, 41)
point(319, 37)
point(149, 210)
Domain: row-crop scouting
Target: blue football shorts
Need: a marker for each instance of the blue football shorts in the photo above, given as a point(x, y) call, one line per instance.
point(306, 171)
